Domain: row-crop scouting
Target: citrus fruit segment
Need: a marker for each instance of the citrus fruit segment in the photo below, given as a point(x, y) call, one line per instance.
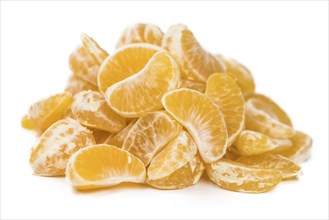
point(301, 148)
point(242, 178)
point(54, 148)
point(90, 109)
point(272, 161)
point(227, 95)
point(272, 108)
point(174, 155)
point(201, 117)
point(141, 33)
point(117, 139)
point(239, 72)
point(185, 176)
point(97, 53)
point(126, 62)
point(75, 84)
point(196, 63)
point(258, 118)
point(160, 75)
point(45, 112)
point(86, 59)
point(185, 83)
point(150, 134)
point(100, 166)
point(251, 142)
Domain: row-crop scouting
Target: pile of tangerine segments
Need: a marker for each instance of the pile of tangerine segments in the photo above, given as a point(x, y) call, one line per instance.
point(160, 111)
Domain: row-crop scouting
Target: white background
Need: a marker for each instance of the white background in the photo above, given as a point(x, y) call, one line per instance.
point(285, 45)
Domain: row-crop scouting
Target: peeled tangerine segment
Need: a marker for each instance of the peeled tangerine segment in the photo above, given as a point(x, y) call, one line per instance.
point(125, 62)
point(271, 108)
point(86, 59)
point(117, 139)
point(201, 117)
point(56, 145)
point(90, 109)
point(288, 168)
point(196, 63)
point(174, 155)
point(187, 175)
point(227, 95)
point(301, 148)
point(238, 177)
point(260, 118)
point(100, 166)
point(239, 72)
point(150, 134)
point(141, 33)
point(45, 112)
point(198, 86)
point(75, 85)
point(251, 142)
point(141, 93)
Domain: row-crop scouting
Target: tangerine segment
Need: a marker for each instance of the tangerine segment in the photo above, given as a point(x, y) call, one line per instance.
point(141, 33)
point(269, 106)
point(45, 112)
point(174, 155)
point(75, 84)
point(261, 120)
point(100, 166)
point(242, 178)
point(288, 168)
point(185, 83)
point(251, 142)
point(301, 148)
point(227, 95)
point(150, 134)
point(126, 62)
point(118, 138)
point(90, 109)
point(56, 145)
point(239, 72)
point(201, 117)
point(196, 63)
point(187, 175)
point(159, 76)
point(98, 54)
point(86, 59)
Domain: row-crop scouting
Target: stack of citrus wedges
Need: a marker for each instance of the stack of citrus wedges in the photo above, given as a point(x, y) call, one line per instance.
point(160, 110)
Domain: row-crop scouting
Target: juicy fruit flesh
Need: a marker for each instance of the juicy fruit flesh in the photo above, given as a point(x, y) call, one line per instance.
point(250, 143)
point(160, 75)
point(201, 117)
point(91, 110)
point(288, 168)
point(45, 112)
point(128, 122)
point(196, 63)
point(150, 134)
point(126, 62)
point(238, 177)
point(258, 119)
point(185, 176)
point(141, 33)
point(227, 95)
point(175, 154)
point(104, 165)
point(54, 148)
